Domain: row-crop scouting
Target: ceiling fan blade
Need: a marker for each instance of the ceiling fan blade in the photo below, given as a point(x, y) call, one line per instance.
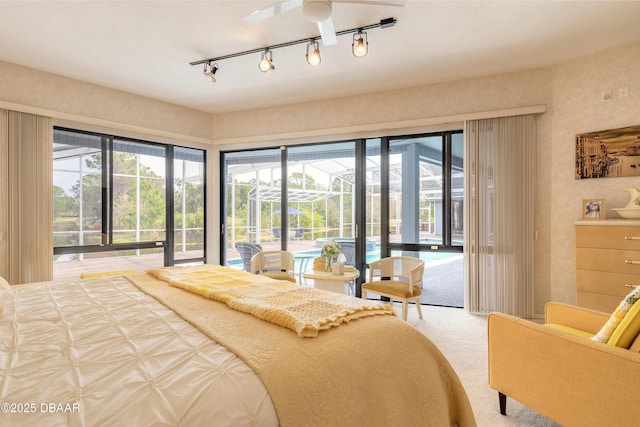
point(327, 32)
point(269, 11)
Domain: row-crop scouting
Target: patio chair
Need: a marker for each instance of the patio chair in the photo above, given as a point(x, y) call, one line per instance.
point(278, 265)
point(247, 251)
point(298, 234)
point(277, 233)
point(396, 278)
point(348, 249)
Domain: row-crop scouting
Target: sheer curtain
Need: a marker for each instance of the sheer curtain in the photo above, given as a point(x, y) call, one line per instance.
point(500, 180)
point(26, 197)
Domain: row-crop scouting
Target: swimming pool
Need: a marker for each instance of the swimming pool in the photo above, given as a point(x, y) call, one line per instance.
point(430, 257)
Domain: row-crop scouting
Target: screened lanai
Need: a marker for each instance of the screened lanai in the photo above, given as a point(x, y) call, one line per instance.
point(326, 189)
point(314, 188)
point(320, 194)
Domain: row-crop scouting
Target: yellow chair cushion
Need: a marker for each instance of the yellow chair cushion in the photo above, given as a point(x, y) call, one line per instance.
point(618, 315)
point(280, 276)
point(107, 274)
point(569, 330)
point(628, 329)
point(392, 287)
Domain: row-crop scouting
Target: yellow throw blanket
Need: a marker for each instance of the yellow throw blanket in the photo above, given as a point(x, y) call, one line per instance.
point(306, 311)
point(380, 371)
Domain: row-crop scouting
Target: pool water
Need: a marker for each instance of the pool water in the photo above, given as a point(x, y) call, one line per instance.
point(431, 257)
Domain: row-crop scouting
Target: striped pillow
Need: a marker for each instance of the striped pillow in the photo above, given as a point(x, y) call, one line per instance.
point(618, 315)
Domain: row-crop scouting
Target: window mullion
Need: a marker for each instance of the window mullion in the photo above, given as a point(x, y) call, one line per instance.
point(107, 190)
point(169, 254)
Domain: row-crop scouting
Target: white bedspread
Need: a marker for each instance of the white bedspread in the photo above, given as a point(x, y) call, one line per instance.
point(98, 352)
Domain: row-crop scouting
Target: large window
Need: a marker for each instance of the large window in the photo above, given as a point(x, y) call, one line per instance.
point(135, 200)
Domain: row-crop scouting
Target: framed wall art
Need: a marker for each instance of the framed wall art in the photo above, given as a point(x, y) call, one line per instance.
point(608, 153)
point(593, 209)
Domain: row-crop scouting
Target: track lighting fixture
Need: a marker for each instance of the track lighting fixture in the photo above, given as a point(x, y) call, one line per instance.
point(266, 61)
point(212, 71)
point(360, 46)
point(313, 58)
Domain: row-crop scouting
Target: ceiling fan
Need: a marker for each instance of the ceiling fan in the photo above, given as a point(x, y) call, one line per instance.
point(318, 11)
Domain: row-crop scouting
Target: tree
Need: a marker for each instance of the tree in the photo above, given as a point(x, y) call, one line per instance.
point(64, 205)
point(88, 191)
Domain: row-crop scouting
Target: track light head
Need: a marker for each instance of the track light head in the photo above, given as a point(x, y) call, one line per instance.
point(266, 61)
point(360, 45)
point(313, 56)
point(213, 68)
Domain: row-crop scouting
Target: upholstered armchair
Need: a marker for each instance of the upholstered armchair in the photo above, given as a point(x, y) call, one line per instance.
point(278, 265)
point(398, 278)
point(558, 371)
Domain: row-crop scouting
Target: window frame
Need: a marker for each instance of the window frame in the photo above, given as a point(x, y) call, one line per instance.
point(108, 245)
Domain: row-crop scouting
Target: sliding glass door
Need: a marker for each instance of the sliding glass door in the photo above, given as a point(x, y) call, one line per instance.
point(425, 189)
point(320, 192)
point(295, 199)
point(251, 196)
point(377, 197)
point(188, 205)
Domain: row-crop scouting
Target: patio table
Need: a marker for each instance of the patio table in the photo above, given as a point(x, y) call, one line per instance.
point(332, 282)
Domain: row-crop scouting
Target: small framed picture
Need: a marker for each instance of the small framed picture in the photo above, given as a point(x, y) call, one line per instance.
point(593, 209)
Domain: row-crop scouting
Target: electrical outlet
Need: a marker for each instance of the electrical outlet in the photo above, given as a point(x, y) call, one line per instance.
point(606, 95)
point(623, 92)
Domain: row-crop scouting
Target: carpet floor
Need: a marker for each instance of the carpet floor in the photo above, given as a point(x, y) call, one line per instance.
point(462, 338)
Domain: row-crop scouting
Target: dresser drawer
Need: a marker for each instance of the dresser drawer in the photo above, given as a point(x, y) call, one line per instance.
point(606, 303)
point(618, 237)
point(616, 261)
point(606, 283)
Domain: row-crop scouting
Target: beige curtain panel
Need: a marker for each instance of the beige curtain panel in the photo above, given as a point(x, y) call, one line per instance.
point(500, 179)
point(26, 197)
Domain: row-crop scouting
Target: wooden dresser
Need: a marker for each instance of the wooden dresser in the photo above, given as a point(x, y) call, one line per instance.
point(607, 258)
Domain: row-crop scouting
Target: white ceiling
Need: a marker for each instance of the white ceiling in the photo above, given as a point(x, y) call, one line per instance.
point(145, 47)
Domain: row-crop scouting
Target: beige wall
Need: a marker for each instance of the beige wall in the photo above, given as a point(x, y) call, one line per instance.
point(383, 110)
point(570, 92)
point(32, 91)
point(577, 108)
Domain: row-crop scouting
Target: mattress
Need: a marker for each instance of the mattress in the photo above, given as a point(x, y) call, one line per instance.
point(99, 352)
point(137, 351)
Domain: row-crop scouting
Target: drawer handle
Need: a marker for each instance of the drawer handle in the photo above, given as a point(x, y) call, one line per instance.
point(631, 238)
point(628, 261)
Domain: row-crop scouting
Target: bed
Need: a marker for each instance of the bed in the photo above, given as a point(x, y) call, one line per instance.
point(144, 349)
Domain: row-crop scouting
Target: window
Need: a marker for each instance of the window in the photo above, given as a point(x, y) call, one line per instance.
point(114, 197)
